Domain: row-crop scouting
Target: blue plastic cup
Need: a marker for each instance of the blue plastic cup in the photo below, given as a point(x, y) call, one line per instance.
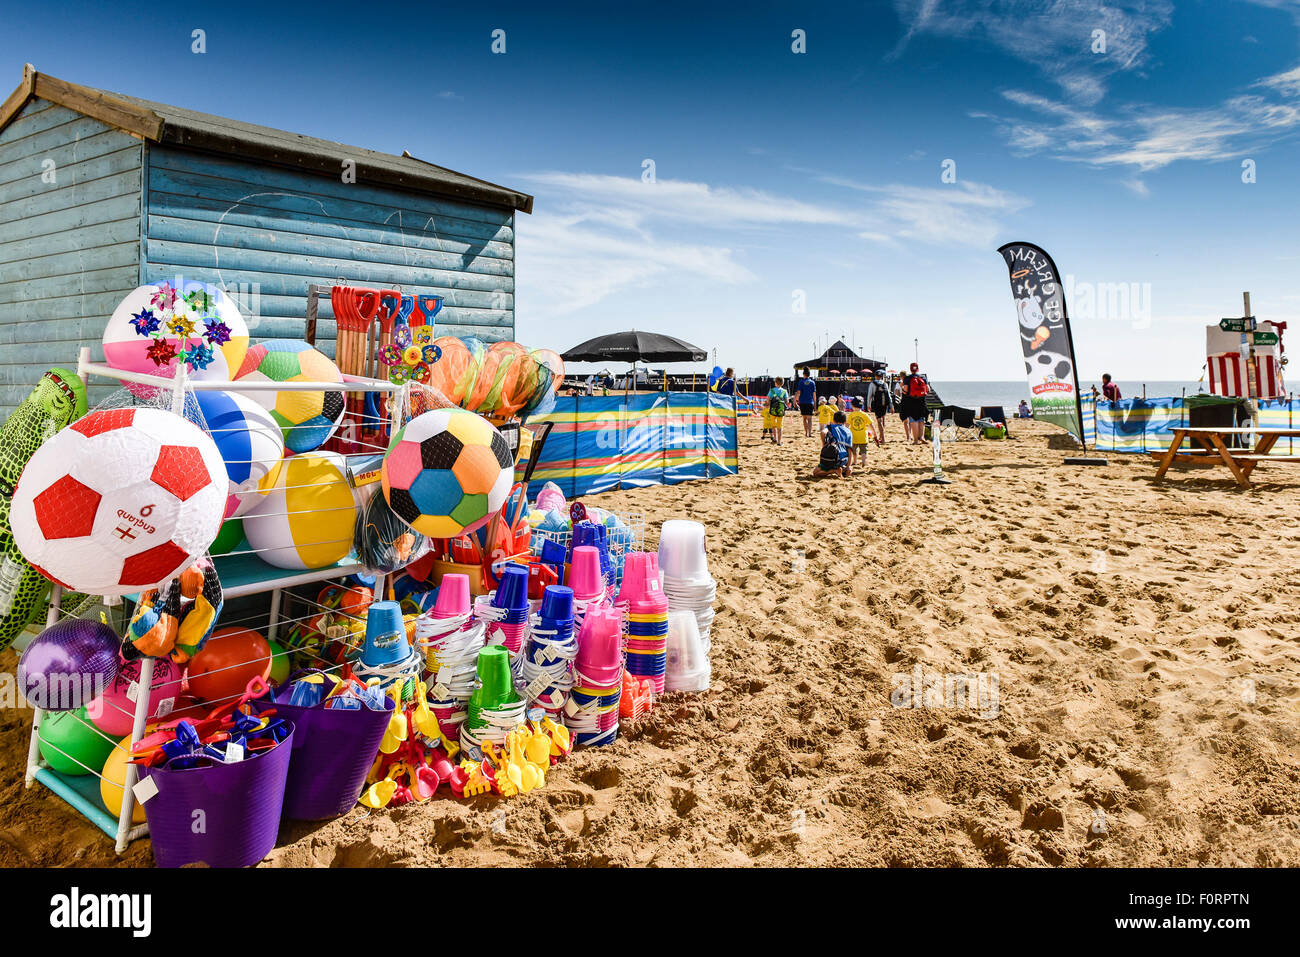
point(512, 592)
point(385, 635)
point(557, 604)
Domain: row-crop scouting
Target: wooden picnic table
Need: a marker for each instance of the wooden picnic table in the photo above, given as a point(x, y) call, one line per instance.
point(1215, 451)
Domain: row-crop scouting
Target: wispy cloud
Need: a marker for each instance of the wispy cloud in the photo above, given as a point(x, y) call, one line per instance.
point(964, 213)
point(1147, 137)
point(597, 235)
point(1055, 38)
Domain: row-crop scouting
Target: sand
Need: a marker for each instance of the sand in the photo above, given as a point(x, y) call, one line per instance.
point(1142, 638)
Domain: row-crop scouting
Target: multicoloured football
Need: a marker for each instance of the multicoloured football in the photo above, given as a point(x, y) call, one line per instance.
point(447, 472)
point(308, 419)
point(119, 501)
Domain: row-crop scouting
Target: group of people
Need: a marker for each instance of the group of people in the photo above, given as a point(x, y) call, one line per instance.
point(847, 425)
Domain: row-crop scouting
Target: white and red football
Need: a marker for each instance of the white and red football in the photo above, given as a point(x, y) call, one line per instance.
point(119, 501)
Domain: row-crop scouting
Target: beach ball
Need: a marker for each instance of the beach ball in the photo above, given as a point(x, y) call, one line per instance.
point(250, 442)
point(229, 538)
point(68, 664)
point(119, 501)
point(113, 712)
point(233, 657)
point(307, 419)
point(447, 472)
point(279, 663)
point(158, 326)
point(112, 781)
point(307, 518)
point(70, 744)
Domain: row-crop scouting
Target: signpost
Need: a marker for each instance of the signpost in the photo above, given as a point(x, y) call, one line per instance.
point(1245, 324)
point(1264, 338)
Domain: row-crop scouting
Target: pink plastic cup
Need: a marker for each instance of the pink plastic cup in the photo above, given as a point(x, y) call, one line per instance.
point(584, 573)
point(453, 596)
point(600, 655)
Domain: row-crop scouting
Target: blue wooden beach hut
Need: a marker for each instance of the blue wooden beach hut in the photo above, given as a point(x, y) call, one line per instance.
point(101, 192)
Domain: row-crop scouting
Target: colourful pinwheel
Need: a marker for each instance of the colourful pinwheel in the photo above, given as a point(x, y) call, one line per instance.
point(411, 353)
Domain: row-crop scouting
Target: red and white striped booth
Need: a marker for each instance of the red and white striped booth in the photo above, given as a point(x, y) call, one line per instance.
point(1227, 366)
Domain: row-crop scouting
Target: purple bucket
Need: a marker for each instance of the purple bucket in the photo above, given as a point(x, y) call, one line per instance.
point(240, 802)
point(333, 750)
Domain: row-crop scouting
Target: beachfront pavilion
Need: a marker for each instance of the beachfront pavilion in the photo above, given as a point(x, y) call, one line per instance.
point(837, 361)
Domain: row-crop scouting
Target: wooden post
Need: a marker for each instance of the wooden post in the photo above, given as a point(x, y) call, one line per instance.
point(1252, 381)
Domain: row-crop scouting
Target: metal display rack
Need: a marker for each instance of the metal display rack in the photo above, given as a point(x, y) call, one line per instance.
point(242, 574)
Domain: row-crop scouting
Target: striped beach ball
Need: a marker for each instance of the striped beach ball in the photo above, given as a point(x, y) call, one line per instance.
point(158, 326)
point(307, 517)
point(250, 443)
point(307, 419)
point(447, 472)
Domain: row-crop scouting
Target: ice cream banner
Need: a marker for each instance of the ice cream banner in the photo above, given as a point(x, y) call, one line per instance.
point(1045, 336)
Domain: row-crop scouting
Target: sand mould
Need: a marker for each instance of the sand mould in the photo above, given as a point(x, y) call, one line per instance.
point(1124, 684)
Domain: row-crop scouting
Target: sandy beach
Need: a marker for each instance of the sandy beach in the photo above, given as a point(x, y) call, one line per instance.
point(1134, 647)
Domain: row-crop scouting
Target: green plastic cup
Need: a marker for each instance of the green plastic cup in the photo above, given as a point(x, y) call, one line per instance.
point(496, 685)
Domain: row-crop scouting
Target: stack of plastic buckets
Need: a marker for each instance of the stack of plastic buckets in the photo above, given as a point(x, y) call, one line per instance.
point(685, 567)
point(688, 659)
point(505, 611)
point(451, 640)
point(645, 607)
point(586, 581)
point(494, 707)
point(545, 669)
point(590, 534)
point(386, 654)
point(592, 710)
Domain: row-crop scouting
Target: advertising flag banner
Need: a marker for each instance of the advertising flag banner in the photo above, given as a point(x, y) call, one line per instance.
point(1045, 336)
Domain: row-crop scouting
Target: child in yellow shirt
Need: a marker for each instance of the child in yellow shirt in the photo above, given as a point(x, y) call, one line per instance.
point(825, 413)
point(859, 424)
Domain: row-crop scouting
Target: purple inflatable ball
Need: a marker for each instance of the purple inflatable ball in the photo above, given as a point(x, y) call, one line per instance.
point(69, 664)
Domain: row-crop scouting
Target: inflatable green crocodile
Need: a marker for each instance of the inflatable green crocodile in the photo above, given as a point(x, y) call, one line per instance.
point(58, 400)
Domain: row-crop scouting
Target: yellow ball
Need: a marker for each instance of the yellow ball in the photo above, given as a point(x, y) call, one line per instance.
point(111, 785)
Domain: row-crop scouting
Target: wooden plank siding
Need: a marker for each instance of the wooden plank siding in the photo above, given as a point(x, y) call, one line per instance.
point(69, 250)
point(266, 233)
point(124, 211)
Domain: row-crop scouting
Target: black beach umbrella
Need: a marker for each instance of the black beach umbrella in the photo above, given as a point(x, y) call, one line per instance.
point(634, 346)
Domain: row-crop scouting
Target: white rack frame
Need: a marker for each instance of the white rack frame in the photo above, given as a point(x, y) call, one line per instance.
point(179, 386)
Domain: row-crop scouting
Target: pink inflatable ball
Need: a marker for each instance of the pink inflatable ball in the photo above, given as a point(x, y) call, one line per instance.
point(113, 712)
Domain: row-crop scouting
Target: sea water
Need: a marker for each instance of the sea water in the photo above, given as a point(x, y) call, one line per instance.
point(972, 395)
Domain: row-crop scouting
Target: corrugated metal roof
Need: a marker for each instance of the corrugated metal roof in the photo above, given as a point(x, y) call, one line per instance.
point(162, 123)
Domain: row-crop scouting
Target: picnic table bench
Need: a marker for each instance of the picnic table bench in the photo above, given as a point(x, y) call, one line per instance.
point(1214, 450)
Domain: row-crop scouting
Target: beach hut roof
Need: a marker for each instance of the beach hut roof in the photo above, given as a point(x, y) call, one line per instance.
point(174, 126)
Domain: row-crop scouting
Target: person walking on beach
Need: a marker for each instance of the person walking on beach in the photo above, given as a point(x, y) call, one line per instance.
point(878, 401)
point(859, 424)
point(1109, 389)
point(727, 384)
point(777, 400)
point(807, 392)
point(912, 408)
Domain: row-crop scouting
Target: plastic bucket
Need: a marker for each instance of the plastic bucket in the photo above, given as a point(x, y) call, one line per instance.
point(238, 805)
point(333, 749)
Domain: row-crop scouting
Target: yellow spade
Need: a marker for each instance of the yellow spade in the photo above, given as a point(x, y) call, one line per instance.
point(380, 793)
point(523, 775)
point(395, 733)
point(559, 734)
point(537, 749)
point(424, 719)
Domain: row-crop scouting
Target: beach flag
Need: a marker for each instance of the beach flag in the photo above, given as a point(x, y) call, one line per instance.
point(1045, 339)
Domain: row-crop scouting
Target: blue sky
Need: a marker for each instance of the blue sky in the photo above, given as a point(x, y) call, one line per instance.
point(783, 178)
